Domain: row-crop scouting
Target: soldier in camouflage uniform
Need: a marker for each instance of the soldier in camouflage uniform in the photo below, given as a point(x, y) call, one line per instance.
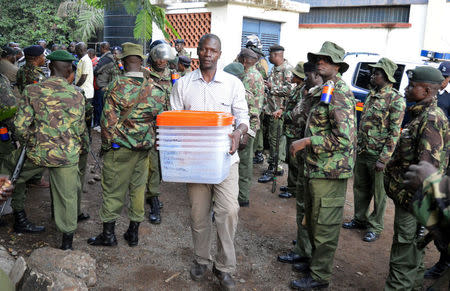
point(308, 95)
point(290, 129)
point(425, 138)
point(50, 121)
point(329, 143)
point(379, 130)
point(31, 73)
point(160, 54)
point(431, 207)
point(254, 86)
point(7, 110)
point(128, 120)
point(279, 88)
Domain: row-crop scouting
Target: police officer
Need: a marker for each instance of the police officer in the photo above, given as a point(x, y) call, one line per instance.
point(184, 65)
point(128, 121)
point(160, 54)
point(31, 72)
point(379, 130)
point(424, 138)
point(279, 87)
point(329, 144)
point(179, 47)
point(50, 121)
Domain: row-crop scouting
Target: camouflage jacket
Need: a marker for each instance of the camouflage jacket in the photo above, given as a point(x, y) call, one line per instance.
point(29, 74)
point(424, 138)
point(290, 128)
point(332, 129)
point(262, 67)
point(7, 99)
point(300, 113)
point(280, 79)
point(381, 119)
point(432, 208)
point(51, 116)
point(137, 130)
point(254, 83)
point(88, 110)
point(164, 79)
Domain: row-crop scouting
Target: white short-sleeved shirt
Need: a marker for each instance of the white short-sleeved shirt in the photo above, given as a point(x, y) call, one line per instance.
point(224, 93)
point(85, 67)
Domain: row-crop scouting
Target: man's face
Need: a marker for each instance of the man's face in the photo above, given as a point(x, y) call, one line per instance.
point(43, 44)
point(71, 47)
point(180, 67)
point(179, 47)
point(415, 92)
point(445, 82)
point(160, 64)
point(312, 79)
point(325, 67)
point(41, 60)
point(276, 57)
point(116, 54)
point(79, 51)
point(377, 78)
point(209, 53)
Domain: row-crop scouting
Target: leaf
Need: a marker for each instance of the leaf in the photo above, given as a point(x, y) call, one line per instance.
point(143, 26)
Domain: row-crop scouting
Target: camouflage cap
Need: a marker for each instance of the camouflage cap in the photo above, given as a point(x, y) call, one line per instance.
point(425, 74)
point(131, 49)
point(388, 66)
point(334, 52)
point(299, 70)
point(236, 69)
point(61, 56)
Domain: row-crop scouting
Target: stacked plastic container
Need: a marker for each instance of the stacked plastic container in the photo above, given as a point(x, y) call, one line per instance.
point(194, 145)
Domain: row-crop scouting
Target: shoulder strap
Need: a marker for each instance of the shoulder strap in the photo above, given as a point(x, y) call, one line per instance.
point(138, 100)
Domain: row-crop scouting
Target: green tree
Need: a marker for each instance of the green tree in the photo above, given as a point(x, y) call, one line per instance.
point(27, 21)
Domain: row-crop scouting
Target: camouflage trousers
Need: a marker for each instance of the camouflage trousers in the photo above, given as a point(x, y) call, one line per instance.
point(406, 268)
point(369, 184)
point(273, 136)
point(292, 168)
point(154, 176)
point(246, 170)
point(124, 171)
point(260, 134)
point(82, 164)
point(303, 245)
point(324, 205)
point(6, 150)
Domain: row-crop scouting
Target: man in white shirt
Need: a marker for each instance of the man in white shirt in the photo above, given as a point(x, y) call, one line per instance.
point(85, 73)
point(210, 89)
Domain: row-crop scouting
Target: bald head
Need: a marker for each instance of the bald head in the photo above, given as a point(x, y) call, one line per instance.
point(81, 49)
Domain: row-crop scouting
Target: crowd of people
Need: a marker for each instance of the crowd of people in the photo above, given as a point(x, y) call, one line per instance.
point(305, 115)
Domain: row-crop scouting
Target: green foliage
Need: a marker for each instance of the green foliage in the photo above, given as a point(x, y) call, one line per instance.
point(27, 21)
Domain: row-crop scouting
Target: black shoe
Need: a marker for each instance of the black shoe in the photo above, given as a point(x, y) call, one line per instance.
point(285, 195)
point(67, 240)
point(280, 172)
point(147, 200)
point(131, 236)
point(284, 188)
point(301, 267)
point(292, 258)
point(266, 177)
point(83, 216)
point(155, 213)
point(308, 283)
point(258, 158)
point(353, 224)
point(371, 236)
point(244, 203)
point(106, 238)
point(198, 271)
point(22, 224)
point(225, 279)
point(437, 270)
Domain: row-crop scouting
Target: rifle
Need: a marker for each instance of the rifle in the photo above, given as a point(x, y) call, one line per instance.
point(15, 175)
point(276, 156)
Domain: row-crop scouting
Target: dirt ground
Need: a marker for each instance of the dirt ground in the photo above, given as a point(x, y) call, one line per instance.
point(163, 257)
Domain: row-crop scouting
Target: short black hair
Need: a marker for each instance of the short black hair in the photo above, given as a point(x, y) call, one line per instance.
point(209, 36)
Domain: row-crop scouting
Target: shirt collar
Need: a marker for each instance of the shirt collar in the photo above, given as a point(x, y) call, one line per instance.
point(218, 77)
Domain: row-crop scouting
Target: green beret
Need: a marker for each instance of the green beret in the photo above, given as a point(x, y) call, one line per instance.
point(425, 74)
point(61, 56)
point(236, 69)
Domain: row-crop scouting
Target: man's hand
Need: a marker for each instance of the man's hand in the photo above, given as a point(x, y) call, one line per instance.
point(277, 114)
point(235, 140)
point(379, 166)
point(417, 174)
point(243, 142)
point(299, 145)
point(268, 84)
point(6, 188)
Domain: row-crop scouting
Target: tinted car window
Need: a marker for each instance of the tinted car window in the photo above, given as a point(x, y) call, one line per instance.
point(363, 72)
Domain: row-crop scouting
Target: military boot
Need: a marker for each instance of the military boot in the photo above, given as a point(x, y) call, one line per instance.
point(22, 224)
point(258, 158)
point(106, 238)
point(67, 240)
point(155, 212)
point(131, 236)
point(267, 175)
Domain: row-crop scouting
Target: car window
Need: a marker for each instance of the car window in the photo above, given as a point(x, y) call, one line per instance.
point(363, 71)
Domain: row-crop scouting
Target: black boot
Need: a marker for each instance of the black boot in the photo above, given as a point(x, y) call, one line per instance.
point(22, 224)
point(67, 240)
point(155, 213)
point(258, 158)
point(131, 236)
point(106, 238)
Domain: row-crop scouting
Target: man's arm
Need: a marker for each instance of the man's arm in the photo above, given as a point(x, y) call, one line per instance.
point(24, 116)
point(431, 143)
point(176, 98)
point(239, 109)
point(110, 116)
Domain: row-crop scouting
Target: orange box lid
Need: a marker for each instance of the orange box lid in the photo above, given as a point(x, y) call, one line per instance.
point(194, 118)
